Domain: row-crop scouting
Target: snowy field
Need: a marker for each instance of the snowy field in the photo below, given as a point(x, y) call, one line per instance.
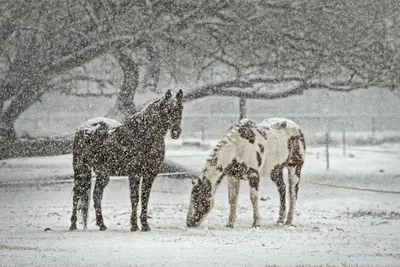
point(334, 226)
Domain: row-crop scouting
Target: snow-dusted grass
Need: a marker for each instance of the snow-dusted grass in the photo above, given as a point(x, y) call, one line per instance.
point(333, 226)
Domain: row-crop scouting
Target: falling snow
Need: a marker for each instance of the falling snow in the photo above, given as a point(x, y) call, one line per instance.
point(331, 67)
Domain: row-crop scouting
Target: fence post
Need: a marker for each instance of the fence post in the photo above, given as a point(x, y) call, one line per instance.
point(203, 136)
point(327, 149)
point(242, 108)
point(373, 122)
point(344, 142)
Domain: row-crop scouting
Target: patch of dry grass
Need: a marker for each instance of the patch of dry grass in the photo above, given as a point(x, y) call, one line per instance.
point(18, 248)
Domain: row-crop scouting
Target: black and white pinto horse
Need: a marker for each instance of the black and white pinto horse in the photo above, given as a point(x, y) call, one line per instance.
point(249, 151)
point(135, 149)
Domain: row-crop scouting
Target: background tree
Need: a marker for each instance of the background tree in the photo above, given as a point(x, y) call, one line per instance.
point(257, 47)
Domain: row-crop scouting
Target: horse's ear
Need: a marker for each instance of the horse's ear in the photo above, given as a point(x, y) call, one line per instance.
point(168, 94)
point(179, 95)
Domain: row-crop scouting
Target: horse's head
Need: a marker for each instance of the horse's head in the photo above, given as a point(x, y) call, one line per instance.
point(201, 201)
point(172, 112)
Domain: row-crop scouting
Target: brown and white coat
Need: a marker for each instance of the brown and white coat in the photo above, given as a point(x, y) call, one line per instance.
point(247, 152)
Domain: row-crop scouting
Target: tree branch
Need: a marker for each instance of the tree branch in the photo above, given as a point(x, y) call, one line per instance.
point(224, 89)
point(85, 78)
point(88, 53)
point(227, 88)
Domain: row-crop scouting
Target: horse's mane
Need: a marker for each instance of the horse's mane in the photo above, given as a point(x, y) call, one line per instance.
point(230, 137)
point(144, 111)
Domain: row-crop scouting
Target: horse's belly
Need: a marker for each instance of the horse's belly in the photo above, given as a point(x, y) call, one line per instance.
point(112, 164)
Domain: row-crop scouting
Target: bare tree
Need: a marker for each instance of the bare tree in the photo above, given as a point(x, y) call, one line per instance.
point(255, 46)
point(334, 45)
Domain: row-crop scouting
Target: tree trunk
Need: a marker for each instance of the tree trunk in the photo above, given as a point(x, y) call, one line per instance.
point(125, 101)
point(242, 108)
point(28, 94)
point(7, 132)
point(152, 74)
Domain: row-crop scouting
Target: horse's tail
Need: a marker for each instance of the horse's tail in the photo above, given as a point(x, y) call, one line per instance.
point(82, 180)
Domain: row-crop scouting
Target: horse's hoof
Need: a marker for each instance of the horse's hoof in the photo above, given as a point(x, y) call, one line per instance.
point(73, 227)
point(103, 227)
point(256, 225)
point(134, 229)
point(145, 228)
point(288, 224)
point(229, 225)
point(279, 222)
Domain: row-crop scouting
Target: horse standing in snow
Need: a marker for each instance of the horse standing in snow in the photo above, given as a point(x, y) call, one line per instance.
point(135, 149)
point(248, 151)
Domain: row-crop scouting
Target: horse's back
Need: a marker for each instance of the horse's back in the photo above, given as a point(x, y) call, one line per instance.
point(280, 132)
point(280, 123)
point(93, 125)
point(90, 135)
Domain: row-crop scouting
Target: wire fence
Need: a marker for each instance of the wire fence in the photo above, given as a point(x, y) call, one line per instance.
point(69, 179)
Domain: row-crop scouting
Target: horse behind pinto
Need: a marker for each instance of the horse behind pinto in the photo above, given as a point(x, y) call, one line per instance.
point(135, 149)
point(248, 151)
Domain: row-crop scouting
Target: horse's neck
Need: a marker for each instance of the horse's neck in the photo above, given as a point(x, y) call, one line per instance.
point(223, 154)
point(146, 124)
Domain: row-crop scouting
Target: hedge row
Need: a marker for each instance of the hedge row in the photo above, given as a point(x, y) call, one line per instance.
point(35, 147)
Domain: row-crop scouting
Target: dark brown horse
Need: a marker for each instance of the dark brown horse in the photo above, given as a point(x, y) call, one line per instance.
point(135, 149)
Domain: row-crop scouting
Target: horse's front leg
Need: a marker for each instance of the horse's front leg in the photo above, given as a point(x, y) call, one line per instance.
point(254, 181)
point(233, 187)
point(102, 180)
point(134, 183)
point(147, 183)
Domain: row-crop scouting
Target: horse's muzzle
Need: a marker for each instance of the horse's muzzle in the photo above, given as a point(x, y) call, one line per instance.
point(175, 133)
point(191, 223)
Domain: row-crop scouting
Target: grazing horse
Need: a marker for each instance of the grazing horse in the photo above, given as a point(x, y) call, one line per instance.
point(135, 149)
point(248, 151)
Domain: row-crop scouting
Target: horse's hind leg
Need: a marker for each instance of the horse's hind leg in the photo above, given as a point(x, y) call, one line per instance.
point(147, 183)
point(233, 188)
point(294, 180)
point(74, 209)
point(277, 178)
point(86, 199)
point(102, 180)
point(82, 186)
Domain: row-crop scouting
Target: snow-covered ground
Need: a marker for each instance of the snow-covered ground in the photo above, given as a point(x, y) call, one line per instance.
point(333, 226)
